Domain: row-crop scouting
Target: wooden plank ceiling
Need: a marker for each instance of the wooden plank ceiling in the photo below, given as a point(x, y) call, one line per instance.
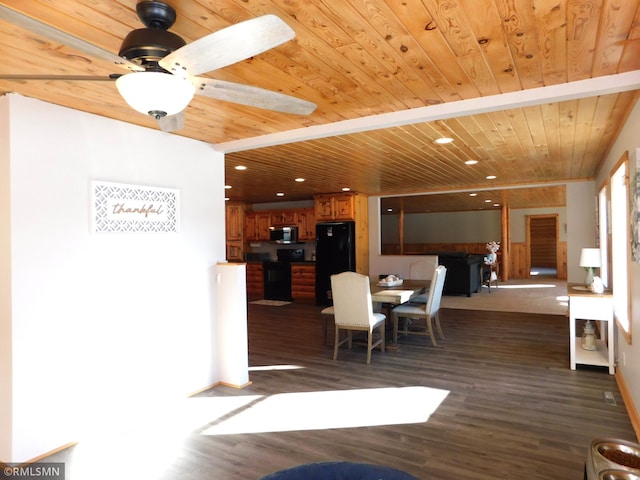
point(364, 58)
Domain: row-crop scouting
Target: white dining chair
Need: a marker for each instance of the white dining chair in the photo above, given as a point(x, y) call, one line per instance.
point(429, 312)
point(327, 318)
point(421, 270)
point(353, 311)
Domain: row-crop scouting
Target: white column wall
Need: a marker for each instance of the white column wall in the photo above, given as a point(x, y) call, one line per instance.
point(104, 327)
point(6, 424)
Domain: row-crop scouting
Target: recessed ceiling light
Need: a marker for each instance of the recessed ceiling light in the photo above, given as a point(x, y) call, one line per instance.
point(240, 167)
point(280, 194)
point(496, 204)
point(443, 140)
point(226, 199)
point(491, 177)
point(345, 189)
point(473, 194)
point(389, 209)
point(471, 162)
point(488, 201)
point(299, 179)
point(227, 187)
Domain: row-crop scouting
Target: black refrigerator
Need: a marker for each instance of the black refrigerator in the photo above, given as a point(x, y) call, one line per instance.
point(335, 253)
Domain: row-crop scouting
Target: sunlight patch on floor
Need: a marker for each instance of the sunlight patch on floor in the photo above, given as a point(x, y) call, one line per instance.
point(331, 409)
point(262, 368)
point(526, 286)
point(150, 444)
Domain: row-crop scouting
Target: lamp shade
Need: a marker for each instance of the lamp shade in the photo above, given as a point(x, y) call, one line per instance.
point(590, 257)
point(155, 93)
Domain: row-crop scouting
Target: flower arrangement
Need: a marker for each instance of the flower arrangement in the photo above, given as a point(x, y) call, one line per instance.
point(493, 247)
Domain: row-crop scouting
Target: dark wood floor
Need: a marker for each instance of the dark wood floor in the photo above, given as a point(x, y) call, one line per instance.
point(514, 409)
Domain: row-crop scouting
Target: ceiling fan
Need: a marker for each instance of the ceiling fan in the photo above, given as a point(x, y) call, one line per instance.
point(163, 68)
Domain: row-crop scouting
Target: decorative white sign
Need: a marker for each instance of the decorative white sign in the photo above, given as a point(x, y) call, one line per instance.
point(120, 208)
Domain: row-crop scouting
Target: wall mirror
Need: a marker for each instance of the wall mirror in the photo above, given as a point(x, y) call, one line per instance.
point(419, 223)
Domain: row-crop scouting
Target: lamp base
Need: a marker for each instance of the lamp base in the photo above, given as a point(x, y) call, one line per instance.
point(589, 278)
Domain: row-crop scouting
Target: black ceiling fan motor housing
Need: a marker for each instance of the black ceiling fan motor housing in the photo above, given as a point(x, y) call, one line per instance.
point(146, 46)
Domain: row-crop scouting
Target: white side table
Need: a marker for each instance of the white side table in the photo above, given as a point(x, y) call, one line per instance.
point(585, 305)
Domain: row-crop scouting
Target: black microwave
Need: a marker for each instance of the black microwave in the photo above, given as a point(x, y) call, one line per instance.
point(278, 234)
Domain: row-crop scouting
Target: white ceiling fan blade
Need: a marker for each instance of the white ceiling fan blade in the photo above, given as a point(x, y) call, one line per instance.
point(44, 30)
point(252, 96)
point(171, 123)
point(228, 46)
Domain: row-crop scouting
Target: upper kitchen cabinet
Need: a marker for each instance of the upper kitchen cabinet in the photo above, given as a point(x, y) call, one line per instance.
point(284, 217)
point(337, 206)
point(256, 226)
point(306, 224)
point(234, 222)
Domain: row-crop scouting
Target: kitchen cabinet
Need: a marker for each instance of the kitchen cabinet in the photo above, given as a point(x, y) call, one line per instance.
point(255, 281)
point(284, 217)
point(234, 231)
point(324, 208)
point(256, 226)
point(303, 282)
point(337, 206)
point(345, 207)
point(306, 225)
point(234, 221)
point(235, 251)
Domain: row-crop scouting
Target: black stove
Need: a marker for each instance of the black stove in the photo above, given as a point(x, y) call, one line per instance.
point(290, 254)
point(277, 275)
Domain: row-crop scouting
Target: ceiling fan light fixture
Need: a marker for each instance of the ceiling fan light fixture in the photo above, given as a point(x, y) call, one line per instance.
point(155, 93)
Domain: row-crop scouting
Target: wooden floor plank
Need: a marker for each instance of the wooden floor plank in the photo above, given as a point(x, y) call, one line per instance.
point(514, 409)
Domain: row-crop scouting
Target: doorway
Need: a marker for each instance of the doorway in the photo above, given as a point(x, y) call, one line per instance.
point(542, 242)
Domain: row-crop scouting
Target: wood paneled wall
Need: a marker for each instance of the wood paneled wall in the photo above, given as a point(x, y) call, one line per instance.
point(426, 248)
point(520, 267)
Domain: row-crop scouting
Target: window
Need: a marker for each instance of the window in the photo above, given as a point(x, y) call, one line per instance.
point(620, 246)
point(603, 234)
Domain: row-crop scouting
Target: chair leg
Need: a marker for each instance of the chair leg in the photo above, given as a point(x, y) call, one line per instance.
point(438, 326)
point(382, 336)
point(394, 320)
point(369, 342)
point(430, 331)
point(407, 320)
point(336, 343)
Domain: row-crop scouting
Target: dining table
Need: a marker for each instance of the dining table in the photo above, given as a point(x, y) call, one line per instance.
point(391, 296)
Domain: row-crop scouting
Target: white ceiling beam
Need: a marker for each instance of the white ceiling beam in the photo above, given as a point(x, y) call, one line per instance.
point(592, 87)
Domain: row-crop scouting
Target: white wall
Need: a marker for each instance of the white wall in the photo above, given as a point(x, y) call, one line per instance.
point(450, 227)
point(581, 226)
point(629, 141)
point(465, 227)
point(518, 220)
point(386, 264)
point(6, 424)
point(103, 327)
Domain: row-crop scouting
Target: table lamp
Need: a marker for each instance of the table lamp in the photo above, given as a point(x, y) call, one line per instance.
point(589, 259)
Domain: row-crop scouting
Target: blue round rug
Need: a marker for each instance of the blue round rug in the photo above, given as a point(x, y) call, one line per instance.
point(339, 471)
